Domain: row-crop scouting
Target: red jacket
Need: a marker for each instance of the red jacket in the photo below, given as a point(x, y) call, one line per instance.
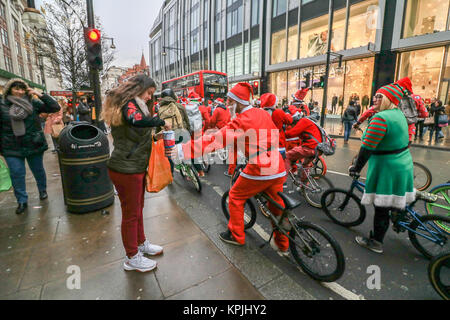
point(254, 133)
point(300, 108)
point(301, 129)
point(205, 116)
point(280, 118)
point(220, 117)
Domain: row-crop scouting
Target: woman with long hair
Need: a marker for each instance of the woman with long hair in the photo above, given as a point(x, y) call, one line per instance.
point(21, 136)
point(126, 111)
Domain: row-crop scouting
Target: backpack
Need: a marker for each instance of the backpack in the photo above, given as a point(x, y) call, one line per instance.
point(328, 144)
point(195, 117)
point(171, 113)
point(408, 106)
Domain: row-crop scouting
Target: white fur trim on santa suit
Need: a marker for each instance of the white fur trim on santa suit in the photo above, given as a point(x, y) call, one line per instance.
point(246, 109)
point(388, 200)
point(234, 97)
point(271, 177)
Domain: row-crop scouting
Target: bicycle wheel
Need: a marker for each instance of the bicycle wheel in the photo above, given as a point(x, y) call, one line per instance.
point(249, 211)
point(317, 252)
point(442, 205)
point(439, 274)
point(343, 207)
point(422, 176)
point(434, 226)
point(315, 188)
point(319, 166)
point(193, 178)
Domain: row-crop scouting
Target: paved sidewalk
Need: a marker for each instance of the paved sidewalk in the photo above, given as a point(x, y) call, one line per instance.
point(37, 247)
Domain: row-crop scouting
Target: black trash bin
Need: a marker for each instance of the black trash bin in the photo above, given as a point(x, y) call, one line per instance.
point(83, 152)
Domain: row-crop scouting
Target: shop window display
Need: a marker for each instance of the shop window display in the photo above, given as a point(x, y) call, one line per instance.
point(423, 67)
point(358, 80)
point(362, 25)
point(425, 17)
point(278, 85)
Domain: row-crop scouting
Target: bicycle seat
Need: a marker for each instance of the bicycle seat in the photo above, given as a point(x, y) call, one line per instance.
point(425, 196)
point(289, 203)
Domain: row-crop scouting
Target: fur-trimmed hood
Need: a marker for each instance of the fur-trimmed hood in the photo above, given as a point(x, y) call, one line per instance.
point(9, 84)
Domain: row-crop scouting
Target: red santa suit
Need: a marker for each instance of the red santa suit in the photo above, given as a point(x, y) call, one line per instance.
point(297, 106)
point(265, 170)
point(269, 102)
point(306, 150)
point(205, 116)
point(220, 117)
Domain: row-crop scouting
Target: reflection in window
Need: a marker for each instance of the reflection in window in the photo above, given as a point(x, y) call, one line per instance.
point(255, 55)
point(313, 37)
point(255, 12)
point(292, 43)
point(278, 46)
point(423, 67)
point(362, 26)
point(338, 39)
point(425, 16)
point(279, 7)
point(358, 79)
point(278, 84)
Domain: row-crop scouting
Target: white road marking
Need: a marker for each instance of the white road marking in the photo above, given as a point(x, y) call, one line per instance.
point(343, 174)
point(333, 286)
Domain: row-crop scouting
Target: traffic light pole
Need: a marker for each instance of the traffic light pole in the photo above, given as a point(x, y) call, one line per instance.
point(95, 78)
point(327, 69)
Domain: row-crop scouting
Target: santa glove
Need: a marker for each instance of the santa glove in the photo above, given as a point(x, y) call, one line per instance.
point(360, 161)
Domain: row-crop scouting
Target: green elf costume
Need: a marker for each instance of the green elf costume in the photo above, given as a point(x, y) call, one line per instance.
point(390, 180)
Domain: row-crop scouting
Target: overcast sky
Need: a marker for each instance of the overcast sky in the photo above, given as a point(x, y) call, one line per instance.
point(129, 23)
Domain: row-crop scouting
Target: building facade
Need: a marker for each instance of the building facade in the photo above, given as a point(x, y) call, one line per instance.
point(110, 79)
point(282, 43)
point(18, 52)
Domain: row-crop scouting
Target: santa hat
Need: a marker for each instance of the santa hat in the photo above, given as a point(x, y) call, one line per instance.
point(241, 93)
point(419, 101)
point(209, 102)
point(269, 100)
point(393, 92)
point(194, 96)
point(219, 101)
point(300, 95)
point(405, 83)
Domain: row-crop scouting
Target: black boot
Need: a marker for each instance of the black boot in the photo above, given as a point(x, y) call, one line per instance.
point(43, 195)
point(21, 208)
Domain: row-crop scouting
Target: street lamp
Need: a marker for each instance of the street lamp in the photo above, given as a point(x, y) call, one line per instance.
point(112, 42)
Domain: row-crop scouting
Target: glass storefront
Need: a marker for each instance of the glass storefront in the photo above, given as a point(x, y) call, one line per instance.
point(313, 37)
point(362, 25)
point(353, 78)
point(292, 43)
point(278, 47)
point(423, 67)
point(425, 17)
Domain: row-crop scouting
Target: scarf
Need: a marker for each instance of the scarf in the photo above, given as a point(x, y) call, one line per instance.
point(143, 106)
point(20, 109)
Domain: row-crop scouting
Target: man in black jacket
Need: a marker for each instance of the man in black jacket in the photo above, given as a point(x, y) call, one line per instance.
point(84, 111)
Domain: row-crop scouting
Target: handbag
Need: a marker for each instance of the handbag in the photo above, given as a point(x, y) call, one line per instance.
point(56, 129)
point(5, 178)
point(442, 120)
point(429, 121)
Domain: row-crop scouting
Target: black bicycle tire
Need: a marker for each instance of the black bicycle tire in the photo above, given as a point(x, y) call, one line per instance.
point(433, 274)
point(199, 188)
point(428, 174)
point(226, 212)
point(315, 167)
point(362, 209)
point(310, 202)
point(413, 237)
point(340, 266)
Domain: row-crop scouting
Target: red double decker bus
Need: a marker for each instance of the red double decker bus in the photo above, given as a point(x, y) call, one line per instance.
point(208, 84)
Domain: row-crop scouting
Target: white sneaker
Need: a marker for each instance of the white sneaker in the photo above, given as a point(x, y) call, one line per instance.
point(139, 263)
point(151, 249)
point(275, 247)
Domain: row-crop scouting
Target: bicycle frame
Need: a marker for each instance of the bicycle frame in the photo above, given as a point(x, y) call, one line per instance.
point(404, 224)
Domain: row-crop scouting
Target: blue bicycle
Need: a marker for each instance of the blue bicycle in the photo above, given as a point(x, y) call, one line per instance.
point(429, 234)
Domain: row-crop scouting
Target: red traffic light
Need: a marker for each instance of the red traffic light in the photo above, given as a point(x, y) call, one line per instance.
point(94, 35)
point(255, 84)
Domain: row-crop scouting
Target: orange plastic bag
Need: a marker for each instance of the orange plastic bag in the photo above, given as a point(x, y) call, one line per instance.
point(158, 173)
